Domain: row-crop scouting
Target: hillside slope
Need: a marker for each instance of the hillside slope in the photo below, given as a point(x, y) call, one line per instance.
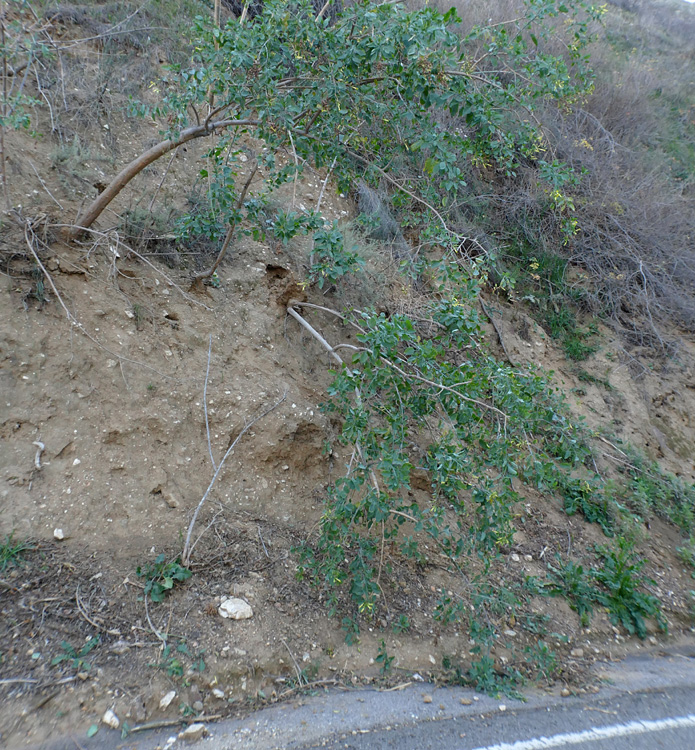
point(107, 379)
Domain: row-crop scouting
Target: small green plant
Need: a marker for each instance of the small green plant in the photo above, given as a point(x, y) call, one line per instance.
point(331, 259)
point(171, 659)
point(485, 677)
point(11, 551)
point(138, 316)
point(570, 580)
point(351, 629)
point(686, 553)
point(383, 659)
point(621, 575)
point(161, 576)
point(587, 377)
point(401, 625)
point(76, 657)
point(650, 489)
point(543, 660)
point(187, 711)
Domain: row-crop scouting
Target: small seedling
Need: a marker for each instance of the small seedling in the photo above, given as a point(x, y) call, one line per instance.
point(75, 656)
point(402, 625)
point(11, 551)
point(383, 658)
point(161, 576)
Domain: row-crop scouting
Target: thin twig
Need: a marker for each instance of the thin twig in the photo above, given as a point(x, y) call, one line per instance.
point(300, 678)
point(83, 610)
point(159, 636)
point(130, 250)
point(185, 557)
point(161, 182)
point(43, 185)
point(307, 686)
point(296, 169)
point(73, 320)
point(325, 182)
point(291, 311)
point(163, 723)
point(205, 404)
point(260, 536)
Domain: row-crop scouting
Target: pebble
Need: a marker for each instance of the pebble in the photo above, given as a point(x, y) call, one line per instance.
point(577, 653)
point(427, 699)
point(502, 707)
point(515, 557)
point(236, 609)
point(565, 692)
point(167, 699)
point(466, 702)
point(111, 720)
point(58, 534)
point(218, 693)
point(192, 732)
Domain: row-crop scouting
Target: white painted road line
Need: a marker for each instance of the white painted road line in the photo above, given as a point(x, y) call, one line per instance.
point(596, 733)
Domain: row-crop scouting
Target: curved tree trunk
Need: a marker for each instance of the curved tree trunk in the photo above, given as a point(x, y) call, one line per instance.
point(90, 215)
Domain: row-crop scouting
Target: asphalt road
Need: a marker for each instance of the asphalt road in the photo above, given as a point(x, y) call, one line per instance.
point(644, 704)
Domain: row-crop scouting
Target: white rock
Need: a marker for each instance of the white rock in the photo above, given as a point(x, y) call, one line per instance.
point(502, 707)
point(577, 653)
point(58, 534)
point(167, 699)
point(192, 732)
point(111, 720)
point(218, 693)
point(76, 462)
point(515, 557)
point(236, 609)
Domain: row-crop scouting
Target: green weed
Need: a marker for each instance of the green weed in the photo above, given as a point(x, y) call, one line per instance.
point(11, 551)
point(161, 576)
point(571, 581)
point(76, 657)
point(621, 575)
point(401, 625)
point(383, 659)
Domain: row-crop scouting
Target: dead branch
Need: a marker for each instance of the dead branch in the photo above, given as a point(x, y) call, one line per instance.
point(71, 318)
point(409, 375)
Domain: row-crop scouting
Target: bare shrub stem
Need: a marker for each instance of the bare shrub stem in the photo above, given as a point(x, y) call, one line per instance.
point(205, 404)
point(186, 555)
point(92, 213)
point(199, 277)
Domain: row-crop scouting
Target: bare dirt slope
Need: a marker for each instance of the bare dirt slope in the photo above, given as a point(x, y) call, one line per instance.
point(103, 437)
